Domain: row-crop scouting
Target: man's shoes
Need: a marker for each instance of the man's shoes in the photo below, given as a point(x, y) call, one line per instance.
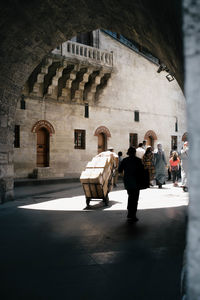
point(132, 218)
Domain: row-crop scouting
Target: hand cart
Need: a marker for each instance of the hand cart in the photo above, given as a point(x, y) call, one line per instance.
point(98, 191)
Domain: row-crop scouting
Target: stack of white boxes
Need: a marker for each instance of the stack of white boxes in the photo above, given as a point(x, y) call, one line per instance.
point(97, 178)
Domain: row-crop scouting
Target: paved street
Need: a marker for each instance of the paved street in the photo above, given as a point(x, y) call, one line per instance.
point(53, 248)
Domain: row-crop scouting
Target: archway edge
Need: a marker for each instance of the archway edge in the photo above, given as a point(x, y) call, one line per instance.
point(43, 124)
point(150, 133)
point(102, 129)
point(45, 34)
point(184, 137)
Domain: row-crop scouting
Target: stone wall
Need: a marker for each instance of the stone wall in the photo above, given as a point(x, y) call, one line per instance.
point(134, 85)
point(192, 89)
point(30, 30)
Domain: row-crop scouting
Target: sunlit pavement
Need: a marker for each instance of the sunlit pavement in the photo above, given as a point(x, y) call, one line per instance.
point(52, 247)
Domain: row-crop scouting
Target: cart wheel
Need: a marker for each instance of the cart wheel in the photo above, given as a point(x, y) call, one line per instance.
point(185, 189)
point(106, 200)
point(88, 201)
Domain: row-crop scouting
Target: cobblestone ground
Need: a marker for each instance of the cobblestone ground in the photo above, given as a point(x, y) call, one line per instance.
point(52, 247)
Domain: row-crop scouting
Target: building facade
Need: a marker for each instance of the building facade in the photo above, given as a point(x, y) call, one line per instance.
point(95, 91)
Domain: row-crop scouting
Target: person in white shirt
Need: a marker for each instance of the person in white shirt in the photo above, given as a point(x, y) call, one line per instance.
point(116, 163)
point(140, 151)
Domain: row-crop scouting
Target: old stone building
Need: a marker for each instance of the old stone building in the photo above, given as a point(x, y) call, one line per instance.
point(96, 90)
point(170, 30)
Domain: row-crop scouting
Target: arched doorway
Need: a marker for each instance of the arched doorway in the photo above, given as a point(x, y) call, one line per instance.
point(42, 147)
point(185, 137)
point(150, 137)
point(44, 130)
point(102, 133)
point(150, 141)
point(102, 141)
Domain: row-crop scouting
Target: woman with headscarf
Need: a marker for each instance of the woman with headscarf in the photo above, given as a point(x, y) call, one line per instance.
point(148, 162)
point(160, 165)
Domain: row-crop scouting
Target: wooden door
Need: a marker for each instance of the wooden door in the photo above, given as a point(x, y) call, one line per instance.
point(42, 148)
point(150, 141)
point(101, 142)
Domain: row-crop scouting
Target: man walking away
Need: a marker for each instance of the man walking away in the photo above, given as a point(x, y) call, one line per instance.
point(133, 175)
point(140, 151)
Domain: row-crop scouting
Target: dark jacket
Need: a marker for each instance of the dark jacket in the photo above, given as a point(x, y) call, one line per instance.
point(133, 173)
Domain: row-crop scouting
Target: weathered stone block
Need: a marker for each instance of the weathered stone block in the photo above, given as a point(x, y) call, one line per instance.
point(6, 170)
point(3, 121)
point(3, 158)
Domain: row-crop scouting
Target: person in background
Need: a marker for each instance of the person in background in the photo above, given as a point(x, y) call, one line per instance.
point(174, 167)
point(133, 175)
point(168, 170)
point(140, 151)
point(120, 158)
point(160, 165)
point(116, 164)
point(144, 144)
point(184, 165)
point(148, 162)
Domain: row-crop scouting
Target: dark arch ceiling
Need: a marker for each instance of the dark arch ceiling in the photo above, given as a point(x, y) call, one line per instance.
point(31, 29)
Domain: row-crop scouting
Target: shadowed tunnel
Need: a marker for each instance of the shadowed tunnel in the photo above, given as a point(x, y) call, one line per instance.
point(30, 30)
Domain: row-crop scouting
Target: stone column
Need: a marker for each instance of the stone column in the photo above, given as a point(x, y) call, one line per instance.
point(191, 34)
point(7, 117)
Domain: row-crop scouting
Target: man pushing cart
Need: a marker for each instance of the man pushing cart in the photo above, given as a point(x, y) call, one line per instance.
point(98, 177)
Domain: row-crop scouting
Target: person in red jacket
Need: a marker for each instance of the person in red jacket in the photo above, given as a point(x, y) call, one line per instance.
point(174, 167)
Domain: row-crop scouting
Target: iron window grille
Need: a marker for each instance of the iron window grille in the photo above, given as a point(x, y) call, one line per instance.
point(17, 136)
point(79, 139)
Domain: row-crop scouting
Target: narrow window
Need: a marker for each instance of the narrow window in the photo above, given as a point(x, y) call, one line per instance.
point(133, 139)
point(174, 142)
point(176, 126)
point(79, 139)
point(17, 136)
point(86, 110)
point(22, 103)
point(136, 116)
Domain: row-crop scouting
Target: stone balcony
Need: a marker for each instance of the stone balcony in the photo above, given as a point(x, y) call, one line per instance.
point(72, 73)
point(85, 53)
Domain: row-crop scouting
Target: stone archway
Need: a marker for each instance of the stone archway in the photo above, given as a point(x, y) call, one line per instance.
point(52, 23)
point(30, 30)
point(184, 137)
point(102, 133)
point(150, 137)
point(45, 124)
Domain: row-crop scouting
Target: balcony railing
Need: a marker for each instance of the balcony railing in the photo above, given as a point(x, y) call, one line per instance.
point(73, 49)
